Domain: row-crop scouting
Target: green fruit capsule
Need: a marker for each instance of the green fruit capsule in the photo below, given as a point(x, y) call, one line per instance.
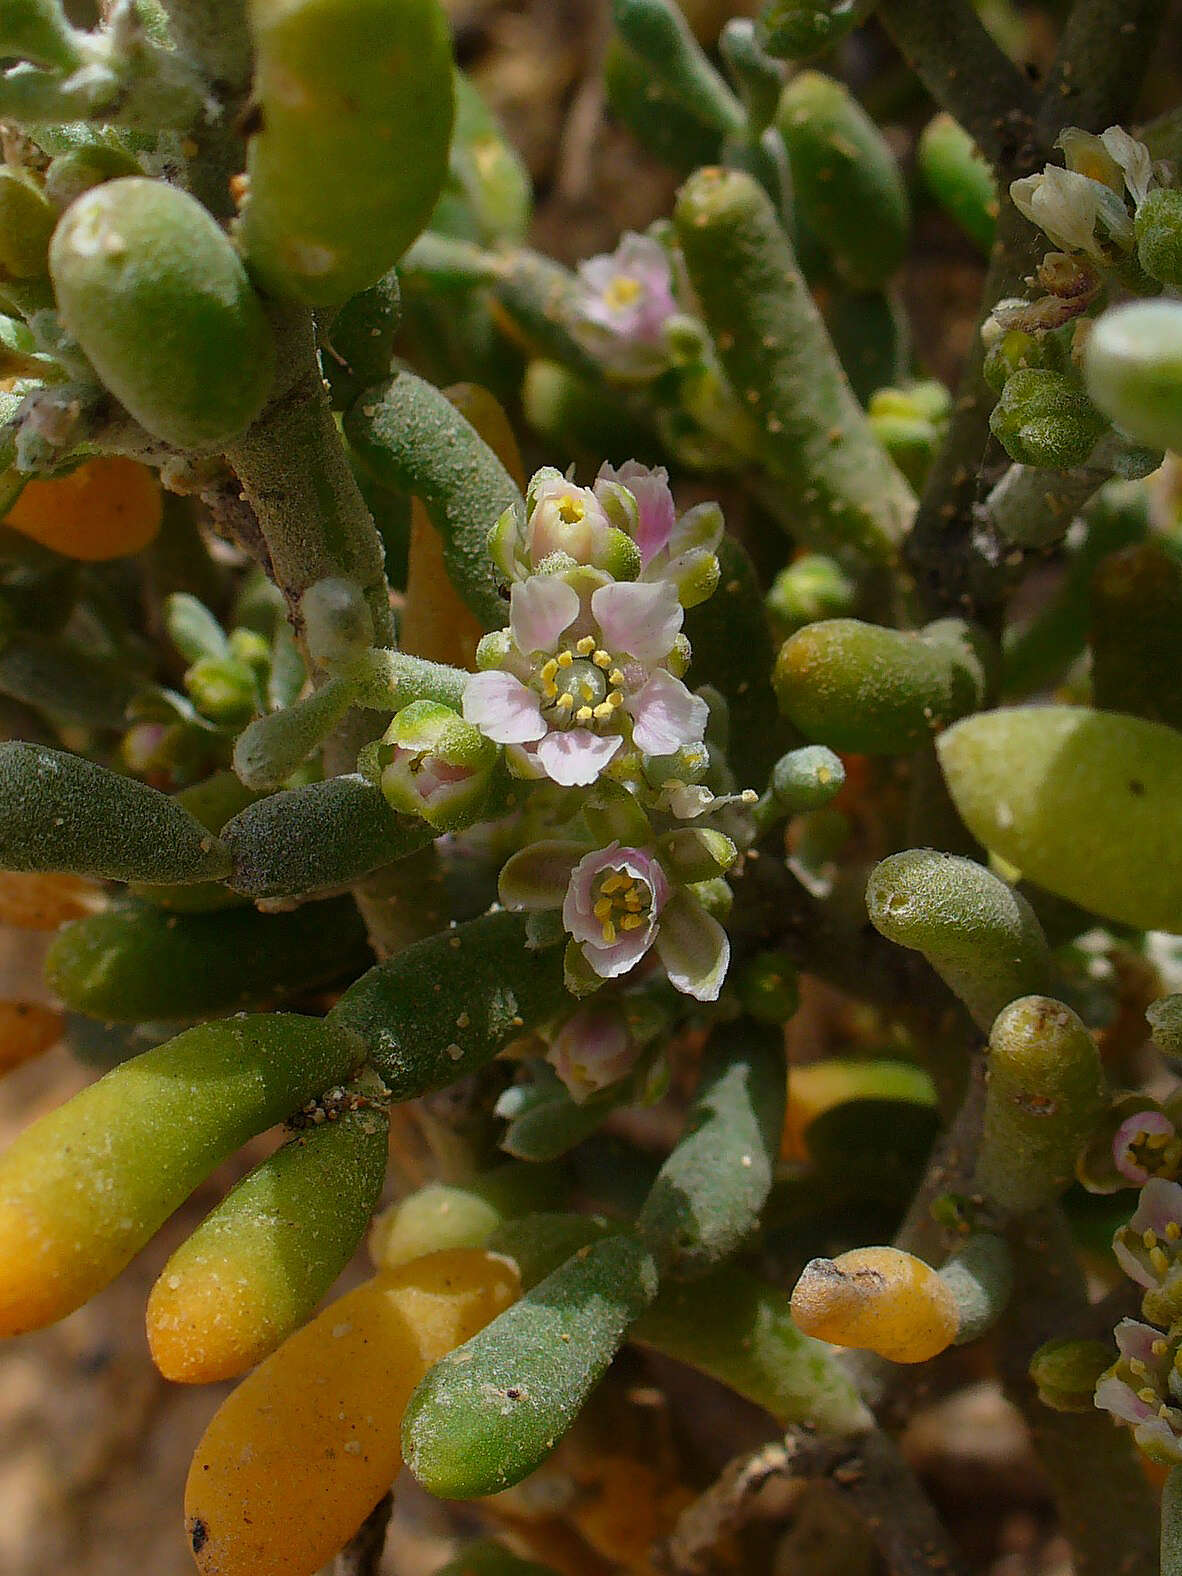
point(1133, 369)
point(876, 691)
point(1159, 236)
point(1084, 803)
point(83, 1189)
point(491, 1411)
point(979, 935)
point(355, 103)
point(708, 1195)
point(136, 962)
point(410, 437)
point(846, 183)
point(1045, 1094)
point(255, 1268)
point(1043, 418)
point(158, 299)
point(62, 812)
point(445, 1006)
point(324, 835)
point(959, 178)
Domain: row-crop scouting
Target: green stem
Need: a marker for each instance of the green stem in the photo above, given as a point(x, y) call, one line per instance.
point(1033, 507)
point(967, 73)
point(296, 476)
point(1171, 1524)
point(1104, 1502)
point(1104, 53)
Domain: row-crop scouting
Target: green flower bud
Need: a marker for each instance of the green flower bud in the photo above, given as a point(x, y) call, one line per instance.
point(1065, 1373)
point(435, 765)
point(1046, 1093)
point(71, 174)
point(807, 779)
point(1133, 369)
point(810, 588)
point(155, 294)
point(1013, 351)
point(1158, 226)
point(355, 108)
point(798, 29)
point(1043, 418)
point(695, 854)
point(338, 627)
point(223, 690)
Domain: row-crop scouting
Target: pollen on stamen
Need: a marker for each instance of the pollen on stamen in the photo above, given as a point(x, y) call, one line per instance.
point(603, 711)
point(549, 669)
point(1173, 1231)
point(564, 701)
point(564, 659)
point(615, 677)
point(602, 659)
point(586, 646)
point(584, 714)
point(1147, 1395)
point(603, 908)
point(632, 921)
point(609, 931)
point(1158, 1260)
point(613, 883)
point(1149, 1238)
point(1160, 1348)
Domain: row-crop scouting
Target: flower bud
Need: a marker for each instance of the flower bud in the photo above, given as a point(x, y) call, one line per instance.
point(1042, 418)
point(338, 626)
point(1133, 370)
point(435, 765)
point(1066, 1373)
point(812, 587)
point(693, 854)
point(1159, 236)
point(808, 778)
point(223, 690)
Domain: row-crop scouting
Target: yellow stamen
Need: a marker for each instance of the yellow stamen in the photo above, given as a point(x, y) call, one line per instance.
point(1137, 1368)
point(613, 883)
point(622, 291)
point(1160, 1348)
point(615, 677)
point(1147, 1395)
point(603, 908)
point(634, 901)
point(1158, 1261)
point(1157, 1140)
point(584, 714)
point(1173, 1231)
point(615, 699)
point(586, 646)
point(549, 669)
point(602, 659)
point(549, 689)
point(565, 659)
point(609, 931)
point(564, 702)
point(603, 711)
point(632, 921)
point(571, 510)
point(1149, 1239)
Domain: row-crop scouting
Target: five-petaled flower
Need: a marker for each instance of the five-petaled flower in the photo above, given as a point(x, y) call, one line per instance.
point(576, 677)
point(625, 300)
point(1143, 1389)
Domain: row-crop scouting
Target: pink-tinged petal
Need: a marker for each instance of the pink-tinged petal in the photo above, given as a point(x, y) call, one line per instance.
point(693, 947)
point(540, 609)
point(577, 917)
point(1130, 1132)
point(536, 877)
point(575, 758)
point(1159, 1205)
point(666, 716)
point(610, 960)
point(1159, 1442)
point(699, 528)
point(641, 618)
point(1132, 1266)
point(656, 513)
point(1115, 1396)
point(502, 708)
point(1134, 1339)
point(591, 1051)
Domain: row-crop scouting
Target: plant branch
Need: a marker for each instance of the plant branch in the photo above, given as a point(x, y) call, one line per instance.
point(1101, 62)
point(968, 74)
point(362, 1555)
point(296, 477)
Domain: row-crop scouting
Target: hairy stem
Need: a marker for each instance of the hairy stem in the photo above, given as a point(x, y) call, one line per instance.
point(967, 73)
point(296, 476)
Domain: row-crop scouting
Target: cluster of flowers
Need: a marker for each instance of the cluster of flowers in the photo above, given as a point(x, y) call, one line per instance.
point(1088, 209)
point(1143, 1388)
point(583, 693)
